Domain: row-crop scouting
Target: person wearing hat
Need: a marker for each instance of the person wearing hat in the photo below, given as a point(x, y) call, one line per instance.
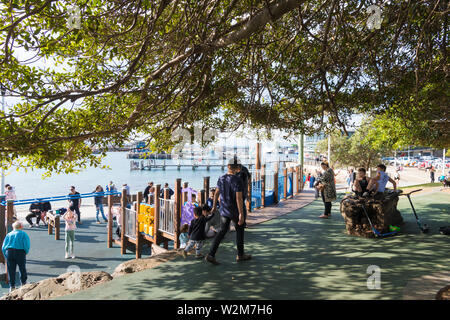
point(230, 189)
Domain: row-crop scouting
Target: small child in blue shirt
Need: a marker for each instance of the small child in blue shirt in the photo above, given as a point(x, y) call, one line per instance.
point(184, 237)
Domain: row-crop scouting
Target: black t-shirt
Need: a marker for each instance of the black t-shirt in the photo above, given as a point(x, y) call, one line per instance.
point(228, 185)
point(36, 206)
point(161, 194)
point(197, 228)
point(147, 191)
point(245, 176)
point(46, 206)
point(98, 200)
point(76, 201)
point(363, 183)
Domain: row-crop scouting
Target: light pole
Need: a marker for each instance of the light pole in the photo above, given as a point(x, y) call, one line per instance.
point(3, 90)
point(300, 150)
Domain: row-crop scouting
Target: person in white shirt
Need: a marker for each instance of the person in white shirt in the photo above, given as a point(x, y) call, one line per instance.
point(382, 178)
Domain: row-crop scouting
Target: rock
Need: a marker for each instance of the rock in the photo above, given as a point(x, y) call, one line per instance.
point(59, 286)
point(136, 265)
point(382, 212)
point(443, 294)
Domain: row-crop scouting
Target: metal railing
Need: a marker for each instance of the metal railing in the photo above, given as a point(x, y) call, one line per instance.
point(166, 216)
point(130, 223)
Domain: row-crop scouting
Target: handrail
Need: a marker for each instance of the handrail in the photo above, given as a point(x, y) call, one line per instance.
point(60, 198)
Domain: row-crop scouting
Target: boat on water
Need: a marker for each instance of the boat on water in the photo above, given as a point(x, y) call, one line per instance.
point(140, 151)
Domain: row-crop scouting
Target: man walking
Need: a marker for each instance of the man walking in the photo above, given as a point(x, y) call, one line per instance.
point(230, 188)
point(15, 248)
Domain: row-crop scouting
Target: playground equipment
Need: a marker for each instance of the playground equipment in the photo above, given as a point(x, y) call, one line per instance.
point(375, 231)
point(423, 227)
point(159, 223)
point(7, 214)
point(53, 221)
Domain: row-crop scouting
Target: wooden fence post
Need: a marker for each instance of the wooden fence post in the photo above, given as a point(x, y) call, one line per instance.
point(292, 181)
point(285, 186)
point(249, 194)
point(57, 227)
point(156, 221)
point(206, 187)
point(123, 239)
point(202, 199)
point(263, 186)
point(157, 206)
point(177, 214)
point(2, 227)
point(138, 234)
point(275, 187)
point(9, 214)
point(110, 222)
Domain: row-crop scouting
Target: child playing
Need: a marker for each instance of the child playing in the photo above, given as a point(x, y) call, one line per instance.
point(197, 231)
point(71, 224)
point(184, 237)
point(194, 200)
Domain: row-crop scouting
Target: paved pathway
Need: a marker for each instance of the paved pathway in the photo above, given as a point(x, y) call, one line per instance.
point(298, 256)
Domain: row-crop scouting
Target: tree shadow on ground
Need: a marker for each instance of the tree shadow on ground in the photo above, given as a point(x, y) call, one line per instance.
point(296, 256)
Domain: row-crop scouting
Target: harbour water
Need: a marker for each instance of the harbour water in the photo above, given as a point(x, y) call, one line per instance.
point(31, 184)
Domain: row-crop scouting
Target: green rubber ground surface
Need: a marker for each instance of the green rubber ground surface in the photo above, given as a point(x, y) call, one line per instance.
point(299, 256)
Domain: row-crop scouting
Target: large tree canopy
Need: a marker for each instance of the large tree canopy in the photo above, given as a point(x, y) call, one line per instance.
point(151, 66)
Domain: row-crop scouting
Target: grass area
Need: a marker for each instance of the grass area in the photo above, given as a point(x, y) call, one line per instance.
point(425, 185)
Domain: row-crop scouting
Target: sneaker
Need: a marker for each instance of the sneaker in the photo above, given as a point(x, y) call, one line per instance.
point(184, 254)
point(31, 226)
point(73, 256)
point(212, 260)
point(199, 255)
point(98, 222)
point(11, 289)
point(244, 257)
point(67, 256)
